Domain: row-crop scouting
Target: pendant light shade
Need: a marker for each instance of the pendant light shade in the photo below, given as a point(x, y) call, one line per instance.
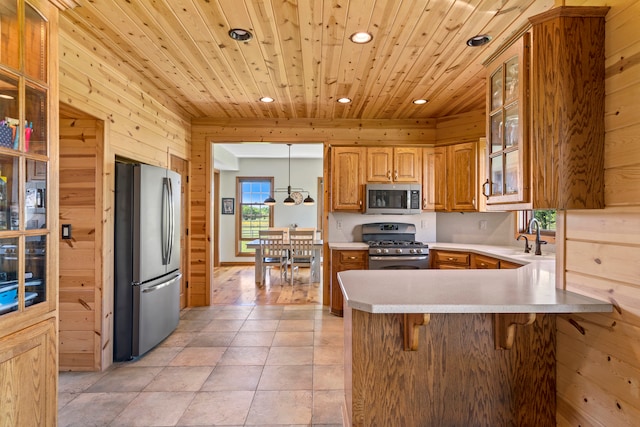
point(289, 200)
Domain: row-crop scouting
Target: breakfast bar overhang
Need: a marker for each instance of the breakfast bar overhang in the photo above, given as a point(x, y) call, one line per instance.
point(453, 348)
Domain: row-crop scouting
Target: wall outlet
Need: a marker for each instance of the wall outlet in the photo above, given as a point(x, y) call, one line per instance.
point(423, 223)
point(482, 224)
point(339, 225)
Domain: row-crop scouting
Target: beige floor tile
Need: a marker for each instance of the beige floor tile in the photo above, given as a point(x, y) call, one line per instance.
point(298, 314)
point(253, 339)
point(231, 377)
point(329, 322)
point(328, 355)
point(290, 356)
point(75, 382)
point(187, 325)
point(239, 313)
point(244, 356)
point(291, 377)
point(212, 339)
point(97, 409)
point(260, 325)
point(175, 378)
point(159, 356)
point(327, 407)
point(223, 325)
point(64, 398)
point(178, 339)
point(280, 407)
point(330, 338)
point(154, 409)
point(292, 339)
point(198, 356)
point(296, 325)
point(197, 314)
point(266, 312)
point(125, 379)
point(218, 408)
point(329, 377)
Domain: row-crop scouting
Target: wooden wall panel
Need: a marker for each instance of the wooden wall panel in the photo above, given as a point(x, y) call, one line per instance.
point(461, 128)
point(598, 366)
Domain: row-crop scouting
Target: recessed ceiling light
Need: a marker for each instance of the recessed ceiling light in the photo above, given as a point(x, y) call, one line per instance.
point(3, 96)
point(479, 40)
point(344, 100)
point(420, 101)
point(266, 99)
point(240, 34)
point(361, 37)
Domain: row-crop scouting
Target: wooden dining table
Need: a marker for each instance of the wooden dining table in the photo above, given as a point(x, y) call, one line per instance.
point(317, 251)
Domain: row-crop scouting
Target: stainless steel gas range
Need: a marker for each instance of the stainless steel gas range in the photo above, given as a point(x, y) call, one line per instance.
point(392, 246)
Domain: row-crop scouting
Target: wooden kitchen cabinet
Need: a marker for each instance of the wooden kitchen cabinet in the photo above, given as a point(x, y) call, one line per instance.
point(347, 178)
point(450, 178)
point(440, 259)
point(484, 262)
point(343, 260)
point(545, 139)
point(394, 164)
point(28, 213)
point(508, 264)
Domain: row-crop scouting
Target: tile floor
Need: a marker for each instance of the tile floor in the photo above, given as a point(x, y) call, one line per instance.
point(223, 366)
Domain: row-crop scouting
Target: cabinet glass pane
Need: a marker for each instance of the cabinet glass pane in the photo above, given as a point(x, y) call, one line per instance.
point(9, 112)
point(496, 132)
point(512, 171)
point(36, 195)
point(496, 175)
point(35, 115)
point(9, 34)
point(511, 79)
point(9, 171)
point(35, 270)
point(35, 44)
point(8, 275)
point(511, 126)
point(496, 89)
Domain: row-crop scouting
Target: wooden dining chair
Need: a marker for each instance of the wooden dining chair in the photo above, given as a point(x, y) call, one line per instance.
point(301, 251)
point(274, 252)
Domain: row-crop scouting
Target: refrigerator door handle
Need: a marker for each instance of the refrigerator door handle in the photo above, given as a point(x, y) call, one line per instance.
point(164, 238)
point(171, 221)
point(162, 285)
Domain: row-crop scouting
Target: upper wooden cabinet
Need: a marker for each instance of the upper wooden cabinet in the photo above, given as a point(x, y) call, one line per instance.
point(347, 178)
point(545, 121)
point(394, 164)
point(450, 178)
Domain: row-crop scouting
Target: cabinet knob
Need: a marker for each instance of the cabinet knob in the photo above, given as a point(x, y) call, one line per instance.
point(353, 257)
point(450, 259)
point(389, 175)
point(395, 175)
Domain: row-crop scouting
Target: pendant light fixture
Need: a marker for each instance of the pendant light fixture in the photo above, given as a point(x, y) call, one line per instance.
point(294, 195)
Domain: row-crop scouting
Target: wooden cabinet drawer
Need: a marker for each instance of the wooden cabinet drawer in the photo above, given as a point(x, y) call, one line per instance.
point(486, 262)
point(508, 264)
point(352, 257)
point(446, 257)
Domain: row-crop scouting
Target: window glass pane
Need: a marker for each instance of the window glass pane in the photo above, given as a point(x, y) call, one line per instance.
point(36, 120)
point(511, 80)
point(9, 34)
point(511, 173)
point(254, 214)
point(8, 275)
point(35, 270)
point(496, 132)
point(511, 126)
point(35, 64)
point(8, 192)
point(546, 218)
point(35, 195)
point(496, 175)
point(496, 89)
point(9, 113)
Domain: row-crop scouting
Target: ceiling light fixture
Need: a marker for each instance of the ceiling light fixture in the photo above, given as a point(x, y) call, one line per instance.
point(3, 96)
point(344, 100)
point(361, 37)
point(420, 101)
point(479, 40)
point(266, 99)
point(294, 195)
point(240, 35)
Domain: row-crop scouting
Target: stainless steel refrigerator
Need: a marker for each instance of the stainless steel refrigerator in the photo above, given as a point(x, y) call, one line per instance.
point(147, 258)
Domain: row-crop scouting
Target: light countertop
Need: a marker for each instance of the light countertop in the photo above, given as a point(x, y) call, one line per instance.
point(529, 289)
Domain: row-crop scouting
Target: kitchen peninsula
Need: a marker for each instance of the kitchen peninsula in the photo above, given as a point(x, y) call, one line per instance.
point(454, 347)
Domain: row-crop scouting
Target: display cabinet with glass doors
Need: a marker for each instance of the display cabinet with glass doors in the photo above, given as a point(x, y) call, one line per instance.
point(24, 151)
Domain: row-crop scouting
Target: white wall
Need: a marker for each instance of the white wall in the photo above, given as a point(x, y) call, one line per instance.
point(304, 174)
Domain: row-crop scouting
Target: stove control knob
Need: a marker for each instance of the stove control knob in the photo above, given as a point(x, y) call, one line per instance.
point(418, 251)
point(385, 251)
point(398, 251)
point(378, 251)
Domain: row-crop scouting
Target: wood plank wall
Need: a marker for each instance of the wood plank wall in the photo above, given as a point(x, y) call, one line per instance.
point(140, 122)
point(80, 267)
point(598, 369)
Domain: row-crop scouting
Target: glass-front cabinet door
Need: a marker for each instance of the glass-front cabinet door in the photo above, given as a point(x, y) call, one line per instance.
point(24, 159)
point(507, 126)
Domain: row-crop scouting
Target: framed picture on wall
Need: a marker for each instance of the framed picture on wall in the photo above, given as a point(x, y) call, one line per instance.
point(228, 206)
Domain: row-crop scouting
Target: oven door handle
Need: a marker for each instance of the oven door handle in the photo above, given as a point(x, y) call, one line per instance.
point(399, 258)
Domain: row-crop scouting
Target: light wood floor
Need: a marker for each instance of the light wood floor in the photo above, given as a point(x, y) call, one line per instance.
point(236, 286)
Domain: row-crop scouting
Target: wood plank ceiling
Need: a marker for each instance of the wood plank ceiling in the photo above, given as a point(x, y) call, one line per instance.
point(301, 55)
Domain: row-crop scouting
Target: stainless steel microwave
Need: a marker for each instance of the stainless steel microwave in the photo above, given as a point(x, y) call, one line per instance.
point(393, 199)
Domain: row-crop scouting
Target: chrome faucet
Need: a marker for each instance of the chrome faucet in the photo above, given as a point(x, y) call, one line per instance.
point(538, 241)
point(527, 246)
